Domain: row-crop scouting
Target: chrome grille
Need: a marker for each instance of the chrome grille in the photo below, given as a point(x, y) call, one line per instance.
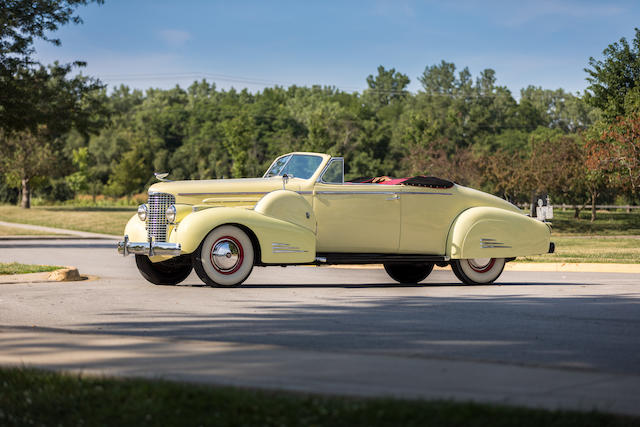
point(156, 218)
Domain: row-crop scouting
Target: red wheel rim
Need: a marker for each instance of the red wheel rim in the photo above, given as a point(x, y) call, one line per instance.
point(226, 250)
point(484, 268)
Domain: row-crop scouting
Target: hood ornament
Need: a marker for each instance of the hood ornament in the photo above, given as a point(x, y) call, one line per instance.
point(160, 176)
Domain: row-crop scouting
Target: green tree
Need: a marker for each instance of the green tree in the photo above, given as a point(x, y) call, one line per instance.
point(555, 109)
point(239, 137)
point(386, 87)
point(21, 23)
point(615, 81)
point(557, 166)
point(79, 180)
point(129, 174)
point(617, 152)
point(25, 155)
point(60, 104)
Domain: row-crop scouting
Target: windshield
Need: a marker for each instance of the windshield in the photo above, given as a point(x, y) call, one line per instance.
point(296, 165)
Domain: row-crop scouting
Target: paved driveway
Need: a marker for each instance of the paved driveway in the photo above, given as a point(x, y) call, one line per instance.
point(544, 339)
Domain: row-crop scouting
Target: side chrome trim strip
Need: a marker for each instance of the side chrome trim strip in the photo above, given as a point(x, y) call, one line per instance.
point(486, 243)
point(262, 193)
point(351, 193)
point(399, 193)
point(237, 193)
point(432, 193)
point(285, 248)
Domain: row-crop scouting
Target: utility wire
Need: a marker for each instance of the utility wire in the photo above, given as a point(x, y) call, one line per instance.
point(267, 83)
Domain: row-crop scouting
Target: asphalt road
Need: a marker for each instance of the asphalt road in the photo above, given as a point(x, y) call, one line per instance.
point(544, 338)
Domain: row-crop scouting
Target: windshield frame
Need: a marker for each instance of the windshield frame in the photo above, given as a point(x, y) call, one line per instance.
point(291, 156)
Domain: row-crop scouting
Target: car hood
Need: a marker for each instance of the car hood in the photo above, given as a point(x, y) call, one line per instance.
point(216, 191)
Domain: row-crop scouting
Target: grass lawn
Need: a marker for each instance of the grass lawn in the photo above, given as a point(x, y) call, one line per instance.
point(17, 268)
point(31, 397)
point(107, 220)
point(14, 231)
point(606, 223)
point(578, 249)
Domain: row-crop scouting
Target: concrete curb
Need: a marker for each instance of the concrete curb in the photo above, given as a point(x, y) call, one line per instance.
point(66, 274)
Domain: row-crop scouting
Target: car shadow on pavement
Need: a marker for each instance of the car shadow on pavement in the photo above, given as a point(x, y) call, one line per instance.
point(400, 285)
point(592, 332)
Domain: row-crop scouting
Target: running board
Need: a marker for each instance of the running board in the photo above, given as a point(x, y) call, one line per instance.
point(349, 258)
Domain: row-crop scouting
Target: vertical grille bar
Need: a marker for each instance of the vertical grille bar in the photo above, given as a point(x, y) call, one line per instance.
point(156, 220)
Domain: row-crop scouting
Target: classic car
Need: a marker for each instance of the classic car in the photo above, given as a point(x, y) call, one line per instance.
point(303, 212)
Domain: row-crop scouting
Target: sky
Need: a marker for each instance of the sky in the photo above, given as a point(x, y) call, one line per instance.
point(256, 44)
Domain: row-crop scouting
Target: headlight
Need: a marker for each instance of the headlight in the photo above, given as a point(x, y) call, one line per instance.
point(171, 213)
point(142, 212)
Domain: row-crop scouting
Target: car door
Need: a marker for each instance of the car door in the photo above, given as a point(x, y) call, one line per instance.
point(355, 218)
point(427, 214)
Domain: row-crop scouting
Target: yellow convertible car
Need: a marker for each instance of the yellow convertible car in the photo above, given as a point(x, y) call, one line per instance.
point(303, 212)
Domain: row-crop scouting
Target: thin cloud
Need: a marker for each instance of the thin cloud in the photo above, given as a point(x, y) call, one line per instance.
point(542, 9)
point(514, 14)
point(175, 38)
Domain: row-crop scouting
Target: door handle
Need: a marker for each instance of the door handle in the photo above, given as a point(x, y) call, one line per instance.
point(394, 197)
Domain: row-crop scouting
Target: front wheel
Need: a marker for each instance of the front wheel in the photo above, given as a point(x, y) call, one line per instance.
point(408, 273)
point(477, 271)
point(169, 272)
point(225, 257)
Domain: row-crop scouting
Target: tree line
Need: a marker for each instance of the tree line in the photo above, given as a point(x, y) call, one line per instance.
point(82, 138)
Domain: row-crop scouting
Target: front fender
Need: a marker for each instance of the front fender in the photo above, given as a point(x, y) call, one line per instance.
point(280, 242)
point(136, 229)
point(485, 232)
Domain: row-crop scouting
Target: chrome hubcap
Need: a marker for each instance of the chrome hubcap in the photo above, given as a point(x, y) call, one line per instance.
point(479, 262)
point(481, 265)
point(225, 255)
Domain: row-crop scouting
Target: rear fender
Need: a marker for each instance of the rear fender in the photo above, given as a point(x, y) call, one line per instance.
point(486, 232)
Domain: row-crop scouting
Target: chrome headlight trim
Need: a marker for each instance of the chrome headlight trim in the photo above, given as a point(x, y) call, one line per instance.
point(143, 212)
point(171, 214)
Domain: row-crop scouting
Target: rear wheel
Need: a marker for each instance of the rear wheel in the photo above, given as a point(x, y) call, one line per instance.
point(477, 271)
point(225, 257)
point(408, 273)
point(169, 272)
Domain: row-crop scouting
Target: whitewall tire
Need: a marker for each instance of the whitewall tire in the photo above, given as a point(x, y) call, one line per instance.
point(478, 271)
point(225, 257)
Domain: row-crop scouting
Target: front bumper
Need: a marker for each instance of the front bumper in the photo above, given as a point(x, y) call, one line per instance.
point(149, 248)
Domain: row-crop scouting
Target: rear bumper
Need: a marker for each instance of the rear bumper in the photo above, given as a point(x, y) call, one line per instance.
point(149, 248)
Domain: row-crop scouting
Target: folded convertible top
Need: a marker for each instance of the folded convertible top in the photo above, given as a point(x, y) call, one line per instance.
point(428, 181)
point(416, 181)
